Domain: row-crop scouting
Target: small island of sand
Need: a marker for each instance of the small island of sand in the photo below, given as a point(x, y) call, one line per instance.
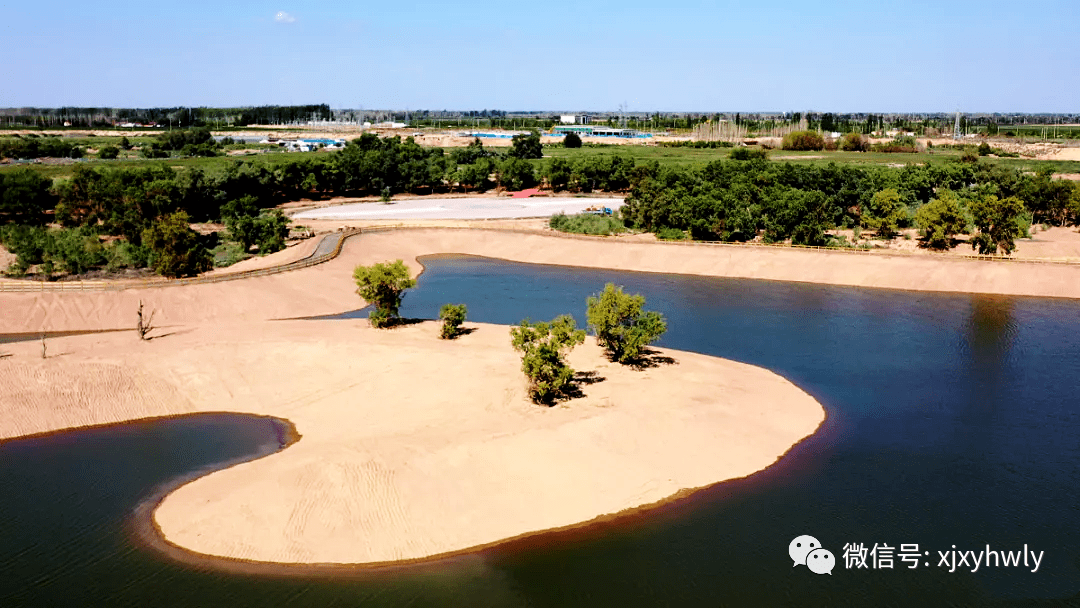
point(410, 446)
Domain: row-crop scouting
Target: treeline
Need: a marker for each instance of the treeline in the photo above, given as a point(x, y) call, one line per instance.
point(742, 200)
point(131, 217)
point(188, 142)
point(178, 116)
point(264, 115)
point(35, 147)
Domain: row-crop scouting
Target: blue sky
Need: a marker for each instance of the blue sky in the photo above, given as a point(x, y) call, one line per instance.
point(679, 55)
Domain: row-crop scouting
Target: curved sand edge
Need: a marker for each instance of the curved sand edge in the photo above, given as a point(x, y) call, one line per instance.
point(411, 446)
point(328, 289)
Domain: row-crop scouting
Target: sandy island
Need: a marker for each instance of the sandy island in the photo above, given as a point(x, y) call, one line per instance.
point(410, 446)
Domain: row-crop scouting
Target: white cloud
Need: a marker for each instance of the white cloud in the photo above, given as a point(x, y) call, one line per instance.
point(283, 17)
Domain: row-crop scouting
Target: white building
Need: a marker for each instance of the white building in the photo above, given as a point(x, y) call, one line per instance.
point(574, 119)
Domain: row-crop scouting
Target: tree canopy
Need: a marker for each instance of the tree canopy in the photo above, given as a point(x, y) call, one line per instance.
point(175, 249)
point(620, 324)
point(941, 219)
point(526, 146)
point(544, 346)
point(381, 285)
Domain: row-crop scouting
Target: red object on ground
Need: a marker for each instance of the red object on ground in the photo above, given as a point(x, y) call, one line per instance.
point(526, 193)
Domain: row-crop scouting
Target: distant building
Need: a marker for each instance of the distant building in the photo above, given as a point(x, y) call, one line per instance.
point(574, 119)
point(597, 131)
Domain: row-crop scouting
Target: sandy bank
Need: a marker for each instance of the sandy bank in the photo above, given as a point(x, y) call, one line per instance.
point(410, 446)
point(327, 288)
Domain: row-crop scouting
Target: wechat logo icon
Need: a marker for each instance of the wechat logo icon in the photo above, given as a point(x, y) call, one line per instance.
point(807, 551)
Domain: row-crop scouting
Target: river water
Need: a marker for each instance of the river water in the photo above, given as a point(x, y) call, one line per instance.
point(953, 421)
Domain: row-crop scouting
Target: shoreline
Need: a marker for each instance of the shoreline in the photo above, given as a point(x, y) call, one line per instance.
point(465, 473)
point(326, 289)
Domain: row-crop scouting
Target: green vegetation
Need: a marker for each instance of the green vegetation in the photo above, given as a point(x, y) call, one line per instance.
point(175, 249)
point(884, 213)
point(515, 174)
point(803, 140)
point(998, 222)
point(381, 285)
point(108, 152)
point(940, 219)
point(34, 147)
point(526, 146)
point(744, 153)
point(738, 201)
point(572, 140)
point(586, 223)
point(267, 230)
point(620, 324)
point(544, 347)
point(193, 142)
point(452, 315)
point(25, 196)
point(608, 173)
point(853, 142)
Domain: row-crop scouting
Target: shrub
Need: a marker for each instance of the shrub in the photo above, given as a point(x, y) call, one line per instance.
point(621, 327)
point(853, 142)
point(452, 315)
point(585, 223)
point(743, 153)
point(381, 285)
point(803, 140)
point(543, 347)
point(572, 140)
point(108, 152)
point(671, 234)
point(984, 149)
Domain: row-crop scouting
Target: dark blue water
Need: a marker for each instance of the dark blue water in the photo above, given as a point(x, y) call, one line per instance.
point(953, 420)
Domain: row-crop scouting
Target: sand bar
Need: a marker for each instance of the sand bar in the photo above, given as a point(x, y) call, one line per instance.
point(327, 288)
point(410, 446)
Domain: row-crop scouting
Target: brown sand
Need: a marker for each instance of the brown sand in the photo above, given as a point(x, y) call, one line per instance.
point(327, 288)
point(410, 446)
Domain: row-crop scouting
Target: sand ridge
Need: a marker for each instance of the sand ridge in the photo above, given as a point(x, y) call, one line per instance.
point(410, 446)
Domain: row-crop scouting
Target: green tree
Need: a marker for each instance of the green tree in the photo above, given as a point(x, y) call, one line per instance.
point(621, 326)
point(516, 173)
point(526, 146)
point(273, 228)
point(244, 230)
point(884, 213)
point(940, 219)
point(175, 249)
point(543, 347)
point(572, 140)
point(452, 315)
point(381, 285)
point(24, 197)
point(108, 152)
point(998, 222)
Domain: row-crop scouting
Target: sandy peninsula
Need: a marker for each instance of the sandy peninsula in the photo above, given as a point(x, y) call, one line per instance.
point(410, 446)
